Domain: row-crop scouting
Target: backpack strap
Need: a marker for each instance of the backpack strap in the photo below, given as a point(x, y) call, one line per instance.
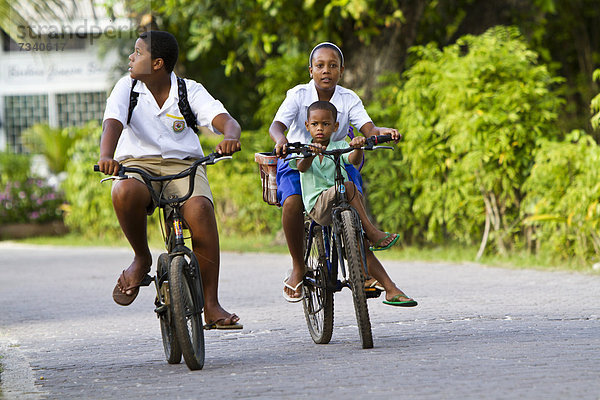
point(184, 105)
point(133, 99)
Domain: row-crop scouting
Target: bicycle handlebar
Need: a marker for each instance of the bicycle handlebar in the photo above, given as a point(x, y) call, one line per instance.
point(305, 149)
point(210, 159)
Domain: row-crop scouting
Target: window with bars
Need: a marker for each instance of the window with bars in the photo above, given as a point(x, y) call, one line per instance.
point(75, 109)
point(72, 109)
point(21, 112)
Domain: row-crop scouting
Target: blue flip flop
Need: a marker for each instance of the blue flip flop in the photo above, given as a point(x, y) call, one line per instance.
point(377, 247)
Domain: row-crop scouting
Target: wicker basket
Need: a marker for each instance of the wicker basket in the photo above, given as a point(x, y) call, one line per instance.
point(267, 166)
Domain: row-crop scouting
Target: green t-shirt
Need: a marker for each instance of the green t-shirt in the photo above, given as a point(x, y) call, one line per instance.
point(320, 176)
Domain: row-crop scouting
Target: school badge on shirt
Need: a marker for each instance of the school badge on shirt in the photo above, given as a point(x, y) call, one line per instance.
point(178, 126)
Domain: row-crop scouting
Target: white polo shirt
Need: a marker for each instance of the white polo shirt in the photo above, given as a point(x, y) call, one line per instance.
point(292, 112)
point(160, 132)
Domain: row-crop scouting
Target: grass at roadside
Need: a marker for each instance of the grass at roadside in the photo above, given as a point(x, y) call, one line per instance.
point(451, 253)
point(228, 243)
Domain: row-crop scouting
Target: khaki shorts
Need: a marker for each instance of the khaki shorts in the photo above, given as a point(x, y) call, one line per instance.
point(323, 208)
point(159, 166)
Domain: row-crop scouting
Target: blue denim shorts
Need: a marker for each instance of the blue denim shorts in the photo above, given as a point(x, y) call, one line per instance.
point(288, 180)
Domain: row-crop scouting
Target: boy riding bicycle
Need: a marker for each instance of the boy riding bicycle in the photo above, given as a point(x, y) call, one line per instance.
point(317, 179)
point(149, 123)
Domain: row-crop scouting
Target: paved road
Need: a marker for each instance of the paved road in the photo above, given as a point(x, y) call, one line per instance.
point(477, 333)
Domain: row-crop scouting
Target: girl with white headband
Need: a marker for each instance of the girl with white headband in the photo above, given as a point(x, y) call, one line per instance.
point(326, 65)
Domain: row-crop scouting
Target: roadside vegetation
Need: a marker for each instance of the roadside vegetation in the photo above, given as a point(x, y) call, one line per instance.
point(499, 161)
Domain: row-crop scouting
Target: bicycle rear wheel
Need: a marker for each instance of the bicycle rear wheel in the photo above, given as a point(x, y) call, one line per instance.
point(187, 313)
point(354, 257)
point(167, 327)
point(318, 296)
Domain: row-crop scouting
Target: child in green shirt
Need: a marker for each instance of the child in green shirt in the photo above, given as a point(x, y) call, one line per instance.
point(317, 177)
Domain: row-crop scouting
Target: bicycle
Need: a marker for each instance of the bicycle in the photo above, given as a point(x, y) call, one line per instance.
point(328, 249)
point(179, 296)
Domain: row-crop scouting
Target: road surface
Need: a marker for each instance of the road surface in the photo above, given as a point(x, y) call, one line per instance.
point(478, 333)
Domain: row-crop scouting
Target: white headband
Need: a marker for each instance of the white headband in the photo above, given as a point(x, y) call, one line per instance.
point(325, 44)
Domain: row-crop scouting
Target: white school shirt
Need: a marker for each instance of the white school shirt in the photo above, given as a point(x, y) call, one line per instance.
point(160, 132)
point(292, 112)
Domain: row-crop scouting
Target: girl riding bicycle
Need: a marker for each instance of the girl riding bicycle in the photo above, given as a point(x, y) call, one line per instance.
point(326, 65)
point(317, 179)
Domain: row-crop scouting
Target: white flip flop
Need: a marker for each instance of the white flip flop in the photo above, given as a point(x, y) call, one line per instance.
point(287, 296)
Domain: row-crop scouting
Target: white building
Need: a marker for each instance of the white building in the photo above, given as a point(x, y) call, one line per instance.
point(51, 72)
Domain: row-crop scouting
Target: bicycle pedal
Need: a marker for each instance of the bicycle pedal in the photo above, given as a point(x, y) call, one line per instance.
point(161, 309)
point(372, 293)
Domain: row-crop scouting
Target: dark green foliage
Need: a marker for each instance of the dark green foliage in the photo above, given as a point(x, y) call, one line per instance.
point(471, 115)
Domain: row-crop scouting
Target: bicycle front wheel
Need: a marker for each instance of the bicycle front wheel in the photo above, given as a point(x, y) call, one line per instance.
point(167, 327)
point(318, 296)
point(354, 257)
point(187, 313)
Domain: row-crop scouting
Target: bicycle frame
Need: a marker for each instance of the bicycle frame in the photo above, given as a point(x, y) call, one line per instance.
point(174, 238)
point(332, 234)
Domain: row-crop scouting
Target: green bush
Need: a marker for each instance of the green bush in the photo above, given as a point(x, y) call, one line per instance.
point(280, 74)
point(472, 115)
point(14, 167)
point(237, 188)
point(562, 198)
point(54, 143)
point(90, 211)
point(30, 200)
point(24, 198)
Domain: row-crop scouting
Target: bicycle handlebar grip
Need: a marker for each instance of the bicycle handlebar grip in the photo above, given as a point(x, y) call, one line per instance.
point(382, 138)
point(96, 168)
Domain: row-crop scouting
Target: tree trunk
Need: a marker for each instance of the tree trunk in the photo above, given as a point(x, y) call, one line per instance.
point(386, 52)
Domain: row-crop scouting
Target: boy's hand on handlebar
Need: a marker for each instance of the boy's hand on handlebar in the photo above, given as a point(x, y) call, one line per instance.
point(358, 142)
point(108, 166)
point(317, 148)
point(228, 146)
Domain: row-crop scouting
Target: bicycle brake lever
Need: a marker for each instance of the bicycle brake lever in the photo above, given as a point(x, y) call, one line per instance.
point(113, 178)
point(216, 160)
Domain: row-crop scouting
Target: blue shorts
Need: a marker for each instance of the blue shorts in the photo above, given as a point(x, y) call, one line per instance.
point(288, 180)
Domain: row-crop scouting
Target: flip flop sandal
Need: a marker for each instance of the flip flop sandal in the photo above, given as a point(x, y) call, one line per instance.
point(218, 324)
point(377, 247)
point(374, 283)
point(395, 302)
point(294, 288)
point(121, 297)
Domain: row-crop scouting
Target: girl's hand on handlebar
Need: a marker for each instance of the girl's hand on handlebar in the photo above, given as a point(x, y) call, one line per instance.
point(108, 166)
point(396, 136)
point(280, 147)
point(228, 146)
point(358, 142)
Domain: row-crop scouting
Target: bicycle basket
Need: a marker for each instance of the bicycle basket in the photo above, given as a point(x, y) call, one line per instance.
point(267, 166)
